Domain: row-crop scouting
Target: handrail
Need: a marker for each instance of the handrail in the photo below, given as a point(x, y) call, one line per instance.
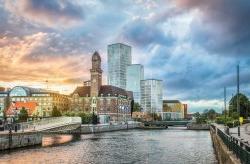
point(239, 148)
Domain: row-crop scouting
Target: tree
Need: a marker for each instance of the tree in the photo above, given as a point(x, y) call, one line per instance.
point(23, 115)
point(136, 107)
point(56, 112)
point(244, 105)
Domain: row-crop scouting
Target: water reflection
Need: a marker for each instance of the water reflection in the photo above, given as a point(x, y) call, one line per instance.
point(174, 146)
point(53, 140)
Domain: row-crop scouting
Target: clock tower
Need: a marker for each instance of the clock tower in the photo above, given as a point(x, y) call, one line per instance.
point(96, 75)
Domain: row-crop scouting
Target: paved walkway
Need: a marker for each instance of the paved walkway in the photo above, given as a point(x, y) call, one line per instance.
point(244, 133)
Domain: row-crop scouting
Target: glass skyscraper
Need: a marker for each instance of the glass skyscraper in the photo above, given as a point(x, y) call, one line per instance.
point(135, 73)
point(119, 57)
point(151, 95)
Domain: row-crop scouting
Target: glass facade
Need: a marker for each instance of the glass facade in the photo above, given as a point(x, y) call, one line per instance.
point(151, 95)
point(135, 73)
point(18, 91)
point(119, 57)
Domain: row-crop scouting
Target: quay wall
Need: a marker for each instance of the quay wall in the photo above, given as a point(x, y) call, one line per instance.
point(223, 154)
point(17, 140)
point(87, 129)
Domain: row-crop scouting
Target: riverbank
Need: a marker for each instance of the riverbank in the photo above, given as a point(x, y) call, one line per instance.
point(224, 155)
point(194, 126)
point(19, 139)
point(31, 138)
point(88, 129)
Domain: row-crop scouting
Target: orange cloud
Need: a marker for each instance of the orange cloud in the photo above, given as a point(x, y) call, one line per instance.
point(28, 60)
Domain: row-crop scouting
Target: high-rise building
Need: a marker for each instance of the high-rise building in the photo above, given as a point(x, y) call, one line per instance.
point(151, 95)
point(119, 57)
point(135, 73)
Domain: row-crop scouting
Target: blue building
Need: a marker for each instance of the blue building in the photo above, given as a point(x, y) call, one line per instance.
point(135, 73)
point(119, 57)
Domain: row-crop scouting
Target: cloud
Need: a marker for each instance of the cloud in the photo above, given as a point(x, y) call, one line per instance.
point(20, 59)
point(221, 26)
point(141, 33)
point(46, 12)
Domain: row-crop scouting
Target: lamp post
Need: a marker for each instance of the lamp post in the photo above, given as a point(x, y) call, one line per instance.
point(238, 92)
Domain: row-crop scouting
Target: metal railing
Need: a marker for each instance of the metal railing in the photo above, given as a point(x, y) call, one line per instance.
point(240, 149)
point(45, 123)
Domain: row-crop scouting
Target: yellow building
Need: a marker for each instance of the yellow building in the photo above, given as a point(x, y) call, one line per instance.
point(174, 106)
point(45, 99)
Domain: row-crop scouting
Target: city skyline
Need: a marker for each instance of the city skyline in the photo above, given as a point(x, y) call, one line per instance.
point(194, 61)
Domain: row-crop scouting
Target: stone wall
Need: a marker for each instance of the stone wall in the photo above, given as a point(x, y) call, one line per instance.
point(86, 129)
point(223, 154)
point(17, 140)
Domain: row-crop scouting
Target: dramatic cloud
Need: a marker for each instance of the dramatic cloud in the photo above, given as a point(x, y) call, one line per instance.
point(222, 26)
point(46, 12)
point(192, 45)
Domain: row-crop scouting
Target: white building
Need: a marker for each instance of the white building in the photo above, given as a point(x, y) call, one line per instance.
point(151, 95)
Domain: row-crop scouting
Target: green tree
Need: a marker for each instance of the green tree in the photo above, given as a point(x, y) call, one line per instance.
point(137, 107)
point(23, 115)
point(56, 112)
point(244, 105)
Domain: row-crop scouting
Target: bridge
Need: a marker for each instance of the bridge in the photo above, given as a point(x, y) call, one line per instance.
point(31, 133)
point(167, 123)
point(56, 124)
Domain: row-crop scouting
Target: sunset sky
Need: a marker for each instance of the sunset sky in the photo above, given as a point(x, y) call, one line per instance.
point(192, 45)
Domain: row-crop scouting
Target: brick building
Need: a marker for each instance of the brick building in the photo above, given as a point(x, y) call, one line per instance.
point(109, 102)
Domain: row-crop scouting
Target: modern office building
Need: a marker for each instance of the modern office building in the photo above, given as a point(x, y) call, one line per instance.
point(107, 101)
point(119, 57)
point(151, 95)
point(135, 73)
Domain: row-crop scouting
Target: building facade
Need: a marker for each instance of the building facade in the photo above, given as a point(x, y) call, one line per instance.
point(119, 57)
point(45, 99)
point(108, 102)
point(4, 102)
point(151, 95)
point(176, 107)
point(135, 73)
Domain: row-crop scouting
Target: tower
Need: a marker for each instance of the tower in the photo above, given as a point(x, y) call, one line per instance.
point(119, 57)
point(96, 75)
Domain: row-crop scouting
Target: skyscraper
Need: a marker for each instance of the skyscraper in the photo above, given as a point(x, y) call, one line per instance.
point(151, 95)
point(119, 57)
point(135, 73)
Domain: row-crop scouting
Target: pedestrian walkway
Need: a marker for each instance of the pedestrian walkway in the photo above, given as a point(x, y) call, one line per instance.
point(244, 133)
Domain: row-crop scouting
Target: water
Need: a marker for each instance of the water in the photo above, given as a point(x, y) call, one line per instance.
point(173, 146)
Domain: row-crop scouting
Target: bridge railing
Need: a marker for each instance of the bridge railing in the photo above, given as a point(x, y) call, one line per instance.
point(240, 149)
point(49, 123)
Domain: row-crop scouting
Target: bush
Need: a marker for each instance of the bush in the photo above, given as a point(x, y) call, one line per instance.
point(23, 115)
point(56, 112)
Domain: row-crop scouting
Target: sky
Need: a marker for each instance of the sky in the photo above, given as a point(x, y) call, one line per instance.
point(194, 46)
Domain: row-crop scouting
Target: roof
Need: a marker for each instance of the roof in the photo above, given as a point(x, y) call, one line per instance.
point(83, 91)
point(119, 44)
point(16, 106)
point(105, 91)
point(96, 55)
point(171, 101)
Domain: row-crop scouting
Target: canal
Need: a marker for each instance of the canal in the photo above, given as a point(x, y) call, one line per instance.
point(173, 146)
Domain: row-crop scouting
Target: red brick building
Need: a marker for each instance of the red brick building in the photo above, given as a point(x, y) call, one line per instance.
point(105, 100)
